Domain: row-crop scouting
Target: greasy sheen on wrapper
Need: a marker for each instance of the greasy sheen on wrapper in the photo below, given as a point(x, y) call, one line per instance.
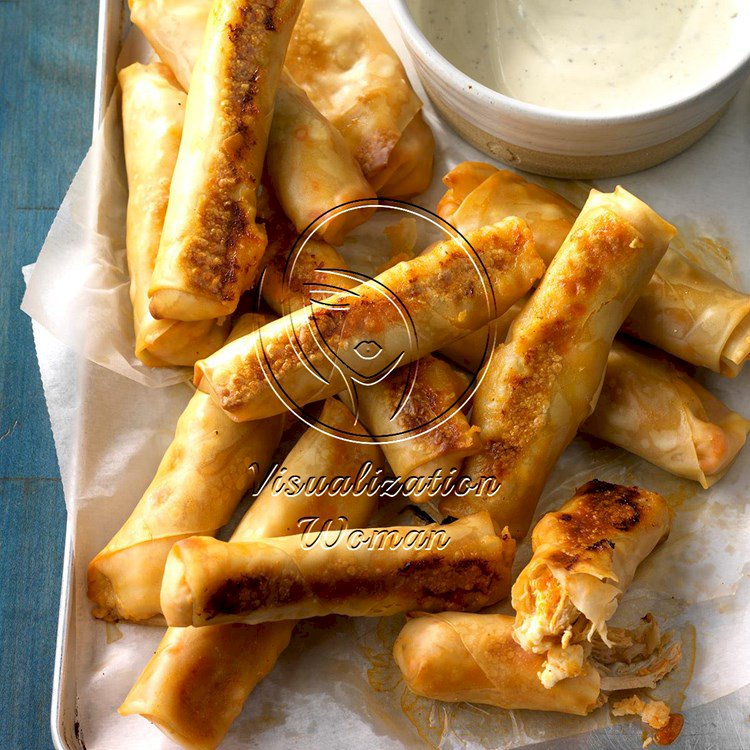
point(208, 467)
point(153, 111)
point(409, 310)
point(544, 381)
point(198, 680)
point(211, 246)
point(358, 572)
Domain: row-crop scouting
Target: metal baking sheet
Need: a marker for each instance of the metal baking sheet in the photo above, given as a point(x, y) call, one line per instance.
point(721, 725)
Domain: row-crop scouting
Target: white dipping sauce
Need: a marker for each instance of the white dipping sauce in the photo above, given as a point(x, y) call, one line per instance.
point(587, 55)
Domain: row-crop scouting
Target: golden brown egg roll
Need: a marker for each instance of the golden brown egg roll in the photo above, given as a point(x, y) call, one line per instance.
point(210, 464)
point(693, 315)
point(479, 194)
point(685, 310)
point(199, 678)
point(544, 381)
point(153, 109)
point(417, 418)
point(585, 557)
point(174, 28)
point(352, 75)
point(403, 314)
point(355, 572)
point(655, 410)
point(410, 165)
point(456, 656)
point(211, 245)
point(414, 413)
point(647, 406)
point(311, 167)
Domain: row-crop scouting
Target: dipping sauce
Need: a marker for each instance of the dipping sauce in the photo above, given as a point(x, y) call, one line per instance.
point(588, 55)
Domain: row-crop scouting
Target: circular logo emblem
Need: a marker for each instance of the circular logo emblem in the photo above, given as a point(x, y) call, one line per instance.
point(356, 333)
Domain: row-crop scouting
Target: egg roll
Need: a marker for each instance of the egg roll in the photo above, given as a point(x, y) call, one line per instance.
point(208, 467)
point(339, 56)
point(199, 678)
point(153, 109)
point(355, 572)
point(653, 409)
point(685, 310)
point(174, 28)
point(541, 385)
point(362, 334)
point(211, 245)
point(414, 413)
point(693, 315)
point(479, 194)
point(585, 557)
point(417, 418)
point(457, 657)
point(311, 168)
point(647, 405)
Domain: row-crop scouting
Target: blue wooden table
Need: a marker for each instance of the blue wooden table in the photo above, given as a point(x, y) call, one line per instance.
point(47, 64)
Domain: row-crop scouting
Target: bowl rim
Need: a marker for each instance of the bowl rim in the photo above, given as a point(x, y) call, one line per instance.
point(417, 39)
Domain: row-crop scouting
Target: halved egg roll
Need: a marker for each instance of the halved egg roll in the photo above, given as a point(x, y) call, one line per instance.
point(360, 335)
point(417, 418)
point(199, 678)
point(455, 657)
point(153, 110)
point(685, 310)
point(210, 464)
point(343, 61)
point(211, 245)
point(651, 408)
point(585, 557)
point(355, 572)
point(311, 167)
point(541, 385)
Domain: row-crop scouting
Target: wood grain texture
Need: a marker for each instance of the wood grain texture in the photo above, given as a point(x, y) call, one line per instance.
point(47, 64)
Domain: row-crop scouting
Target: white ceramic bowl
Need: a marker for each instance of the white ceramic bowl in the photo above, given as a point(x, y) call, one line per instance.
point(561, 143)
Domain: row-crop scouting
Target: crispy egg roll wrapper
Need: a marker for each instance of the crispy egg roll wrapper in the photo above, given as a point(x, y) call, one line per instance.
point(479, 194)
point(647, 406)
point(651, 408)
point(309, 162)
point(357, 572)
point(174, 28)
point(209, 466)
point(211, 245)
point(585, 557)
point(199, 678)
point(685, 310)
point(153, 109)
point(311, 167)
point(353, 76)
point(410, 166)
point(693, 315)
point(433, 438)
point(409, 310)
point(436, 434)
point(544, 381)
point(455, 657)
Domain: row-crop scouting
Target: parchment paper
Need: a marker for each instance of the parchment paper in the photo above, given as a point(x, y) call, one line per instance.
point(336, 685)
